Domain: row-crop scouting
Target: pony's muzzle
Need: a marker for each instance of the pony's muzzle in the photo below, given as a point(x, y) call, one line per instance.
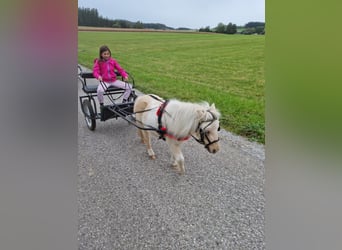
point(213, 148)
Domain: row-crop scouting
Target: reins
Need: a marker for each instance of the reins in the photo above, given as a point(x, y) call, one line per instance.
point(159, 130)
point(109, 95)
point(146, 110)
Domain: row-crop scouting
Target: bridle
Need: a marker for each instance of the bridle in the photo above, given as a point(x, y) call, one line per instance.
point(203, 133)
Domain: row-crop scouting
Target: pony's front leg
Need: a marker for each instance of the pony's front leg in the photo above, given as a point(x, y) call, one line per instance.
point(177, 158)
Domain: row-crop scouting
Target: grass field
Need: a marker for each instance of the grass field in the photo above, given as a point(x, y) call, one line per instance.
point(225, 69)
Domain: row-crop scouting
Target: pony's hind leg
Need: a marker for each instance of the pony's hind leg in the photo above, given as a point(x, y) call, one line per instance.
point(139, 107)
point(147, 141)
point(140, 134)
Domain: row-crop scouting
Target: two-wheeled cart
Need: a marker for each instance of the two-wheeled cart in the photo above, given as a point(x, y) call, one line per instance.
point(113, 110)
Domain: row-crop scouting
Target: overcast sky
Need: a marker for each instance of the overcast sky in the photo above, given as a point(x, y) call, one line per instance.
point(193, 14)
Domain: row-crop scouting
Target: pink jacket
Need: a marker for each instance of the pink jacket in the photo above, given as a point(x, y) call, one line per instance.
point(106, 70)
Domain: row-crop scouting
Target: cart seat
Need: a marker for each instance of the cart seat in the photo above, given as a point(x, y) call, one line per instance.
point(87, 75)
point(90, 89)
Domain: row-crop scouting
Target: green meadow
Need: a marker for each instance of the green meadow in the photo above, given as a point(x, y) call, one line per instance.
point(227, 70)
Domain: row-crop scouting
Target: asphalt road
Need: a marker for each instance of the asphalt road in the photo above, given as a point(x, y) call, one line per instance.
point(127, 201)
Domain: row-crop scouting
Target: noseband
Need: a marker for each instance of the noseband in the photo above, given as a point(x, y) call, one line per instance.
point(203, 133)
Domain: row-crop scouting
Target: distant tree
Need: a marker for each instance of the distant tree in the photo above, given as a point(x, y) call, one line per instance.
point(158, 26)
point(119, 23)
point(124, 24)
point(254, 24)
point(260, 30)
point(231, 28)
point(248, 31)
point(138, 25)
point(88, 17)
point(206, 29)
point(220, 28)
point(116, 24)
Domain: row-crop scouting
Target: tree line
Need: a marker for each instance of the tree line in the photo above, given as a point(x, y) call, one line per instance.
point(91, 17)
point(230, 28)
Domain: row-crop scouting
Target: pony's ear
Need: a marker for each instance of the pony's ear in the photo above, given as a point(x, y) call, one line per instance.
point(212, 106)
point(200, 113)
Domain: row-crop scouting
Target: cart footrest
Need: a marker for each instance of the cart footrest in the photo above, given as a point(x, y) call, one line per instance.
point(117, 110)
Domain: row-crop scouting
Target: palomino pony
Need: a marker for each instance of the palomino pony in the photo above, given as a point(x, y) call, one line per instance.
point(176, 121)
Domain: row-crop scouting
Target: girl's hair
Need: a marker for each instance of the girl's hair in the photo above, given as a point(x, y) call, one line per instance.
point(103, 49)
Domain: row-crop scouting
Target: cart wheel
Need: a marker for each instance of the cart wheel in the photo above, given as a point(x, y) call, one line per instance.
point(89, 114)
point(79, 69)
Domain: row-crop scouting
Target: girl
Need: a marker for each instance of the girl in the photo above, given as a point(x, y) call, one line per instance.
point(103, 70)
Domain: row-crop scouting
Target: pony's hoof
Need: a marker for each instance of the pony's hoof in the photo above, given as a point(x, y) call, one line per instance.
point(177, 169)
point(180, 172)
point(152, 157)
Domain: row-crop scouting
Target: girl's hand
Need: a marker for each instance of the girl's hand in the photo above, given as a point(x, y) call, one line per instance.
point(126, 79)
point(99, 78)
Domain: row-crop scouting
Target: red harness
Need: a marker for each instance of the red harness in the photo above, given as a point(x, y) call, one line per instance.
point(162, 130)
